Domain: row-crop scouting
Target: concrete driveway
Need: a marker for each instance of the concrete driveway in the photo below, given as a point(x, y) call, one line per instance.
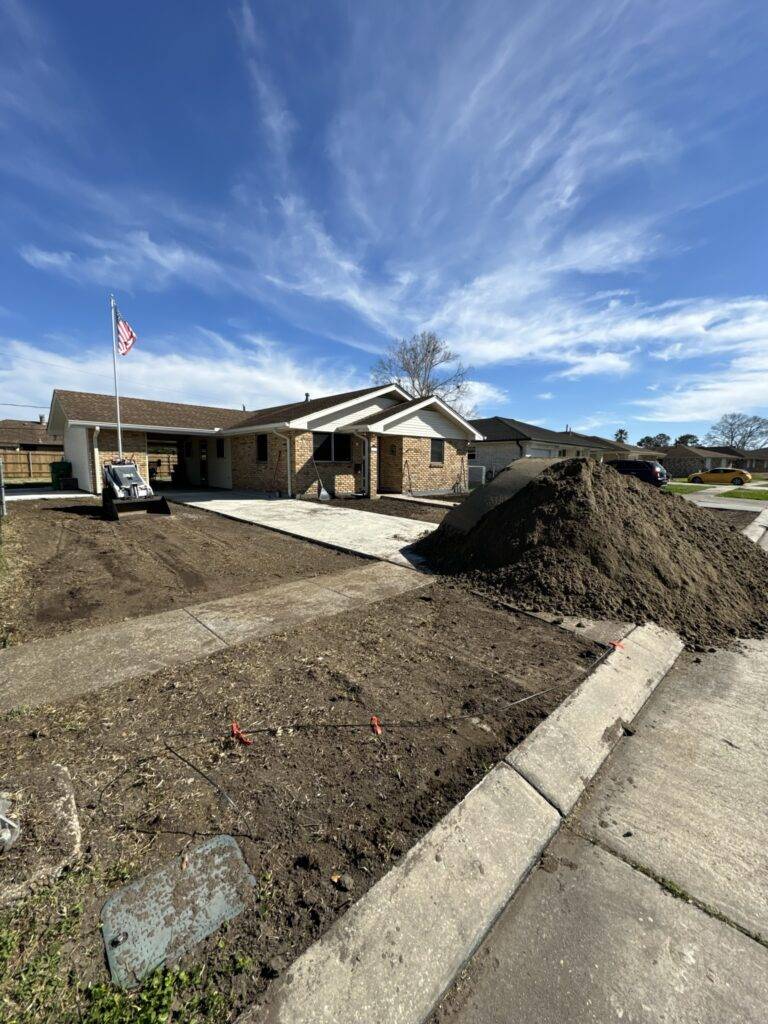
point(363, 533)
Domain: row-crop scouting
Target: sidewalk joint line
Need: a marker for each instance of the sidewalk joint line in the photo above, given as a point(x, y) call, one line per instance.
point(211, 631)
point(671, 888)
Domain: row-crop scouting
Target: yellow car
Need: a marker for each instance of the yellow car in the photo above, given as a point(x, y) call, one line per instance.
point(734, 477)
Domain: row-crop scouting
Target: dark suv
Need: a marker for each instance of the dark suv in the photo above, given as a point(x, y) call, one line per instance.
point(644, 469)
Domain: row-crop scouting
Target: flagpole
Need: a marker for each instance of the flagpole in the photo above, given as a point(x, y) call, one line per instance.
point(113, 306)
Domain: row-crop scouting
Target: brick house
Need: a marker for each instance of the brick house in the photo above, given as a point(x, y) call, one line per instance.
point(376, 440)
point(505, 440)
point(28, 436)
point(683, 459)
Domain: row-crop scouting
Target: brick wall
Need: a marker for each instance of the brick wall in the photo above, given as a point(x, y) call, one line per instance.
point(337, 477)
point(250, 475)
point(134, 447)
point(420, 476)
point(391, 464)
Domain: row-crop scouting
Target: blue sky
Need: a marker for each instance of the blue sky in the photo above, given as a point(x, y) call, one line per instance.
point(573, 195)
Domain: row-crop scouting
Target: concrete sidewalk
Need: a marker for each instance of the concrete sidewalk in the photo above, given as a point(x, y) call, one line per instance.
point(71, 664)
point(363, 533)
point(652, 904)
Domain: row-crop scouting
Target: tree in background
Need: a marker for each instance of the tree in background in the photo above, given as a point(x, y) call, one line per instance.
point(425, 365)
point(621, 435)
point(688, 439)
point(655, 442)
point(738, 430)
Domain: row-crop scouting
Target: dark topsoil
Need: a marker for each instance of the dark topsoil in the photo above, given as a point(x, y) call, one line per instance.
point(390, 507)
point(735, 518)
point(315, 797)
point(67, 568)
point(582, 539)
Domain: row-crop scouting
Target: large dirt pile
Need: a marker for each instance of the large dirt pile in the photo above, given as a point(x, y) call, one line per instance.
point(581, 539)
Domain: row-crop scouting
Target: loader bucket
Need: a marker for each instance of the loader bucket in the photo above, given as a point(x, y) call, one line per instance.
point(114, 508)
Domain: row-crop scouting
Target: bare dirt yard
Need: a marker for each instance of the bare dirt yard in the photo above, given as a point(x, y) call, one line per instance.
point(67, 568)
point(733, 517)
point(392, 507)
point(320, 804)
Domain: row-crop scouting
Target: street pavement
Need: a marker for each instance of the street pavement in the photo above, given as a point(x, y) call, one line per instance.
point(652, 902)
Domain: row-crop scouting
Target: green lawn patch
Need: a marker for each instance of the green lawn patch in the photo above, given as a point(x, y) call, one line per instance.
point(751, 494)
point(684, 488)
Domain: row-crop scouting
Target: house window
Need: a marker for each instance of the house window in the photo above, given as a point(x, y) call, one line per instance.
point(437, 451)
point(471, 454)
point(219, 447)
point(262, 443)
point(331, 447)
point(561, 453)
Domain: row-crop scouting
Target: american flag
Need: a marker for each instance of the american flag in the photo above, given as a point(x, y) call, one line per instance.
point(126, 336)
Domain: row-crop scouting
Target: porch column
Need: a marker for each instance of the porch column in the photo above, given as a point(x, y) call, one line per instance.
point(373, 466)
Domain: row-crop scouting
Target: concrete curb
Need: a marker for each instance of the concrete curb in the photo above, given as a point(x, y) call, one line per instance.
point(395, 952)
point(561, 756)
point(393, 955)
point(757, 529)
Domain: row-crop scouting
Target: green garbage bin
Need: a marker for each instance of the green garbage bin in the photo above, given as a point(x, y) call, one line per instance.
point(59, 470)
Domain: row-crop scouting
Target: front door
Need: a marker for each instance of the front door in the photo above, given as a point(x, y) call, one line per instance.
point(203, 462)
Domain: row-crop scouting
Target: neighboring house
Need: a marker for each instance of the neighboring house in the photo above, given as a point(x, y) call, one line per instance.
point(28, 436)
point(682, 459)
point(736, 456)
point(757, 460)
point(505, 440)
point(371, 441)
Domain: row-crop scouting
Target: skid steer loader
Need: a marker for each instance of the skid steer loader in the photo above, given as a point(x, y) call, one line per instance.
point(124, 491)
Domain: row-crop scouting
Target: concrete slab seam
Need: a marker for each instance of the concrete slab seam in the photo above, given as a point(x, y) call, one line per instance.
point(671, 888)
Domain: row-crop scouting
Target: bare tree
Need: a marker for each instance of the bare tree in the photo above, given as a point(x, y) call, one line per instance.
point(738, 430)
point(621, 435)
point(425, 365)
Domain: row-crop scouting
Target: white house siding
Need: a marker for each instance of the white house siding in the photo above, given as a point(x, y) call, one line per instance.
point(77, 451)
point(495, 455)
point(360, 412)
point(424, 423)
point(219, 470)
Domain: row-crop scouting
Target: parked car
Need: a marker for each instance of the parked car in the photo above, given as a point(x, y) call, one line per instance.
point(729, 475)
point(649, 470)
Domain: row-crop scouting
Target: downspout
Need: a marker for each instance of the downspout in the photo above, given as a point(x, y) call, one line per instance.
point(287, 439)
point(366, 439)
point(96, 466)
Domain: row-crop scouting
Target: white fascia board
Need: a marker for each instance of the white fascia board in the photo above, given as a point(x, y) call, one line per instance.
point(380, 426)
point(302, 422)
point(262, 428)
point(147, 428)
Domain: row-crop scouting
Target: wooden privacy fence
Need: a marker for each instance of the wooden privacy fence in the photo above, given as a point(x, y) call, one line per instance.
point(29, 467)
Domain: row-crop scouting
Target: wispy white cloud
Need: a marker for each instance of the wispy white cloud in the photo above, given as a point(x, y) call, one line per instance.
point(215, 371)
point(126, 262)
point(475, 194)
point(545, 396)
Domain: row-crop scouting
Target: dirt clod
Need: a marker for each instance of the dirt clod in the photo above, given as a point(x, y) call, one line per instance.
point(582, 539)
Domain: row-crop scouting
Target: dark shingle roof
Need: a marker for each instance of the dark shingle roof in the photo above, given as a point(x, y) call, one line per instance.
point(27, 432)
point(501, 428)
point(727, 449)
point(284, 413)
point(91, 408)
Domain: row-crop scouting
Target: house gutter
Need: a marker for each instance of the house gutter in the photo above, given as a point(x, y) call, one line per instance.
point(287, 439)
point(366, 439)
point(96, 468)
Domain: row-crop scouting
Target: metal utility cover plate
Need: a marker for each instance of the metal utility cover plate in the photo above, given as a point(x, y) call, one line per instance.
point(158, 918)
